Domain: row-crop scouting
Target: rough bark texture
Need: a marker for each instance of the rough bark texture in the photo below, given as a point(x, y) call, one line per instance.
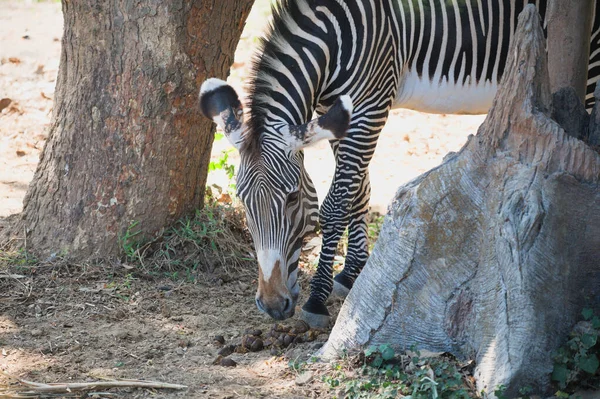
point(569, 112)
point(127, 141)
point(594, 128)
point(569, 27)
point(493, 254)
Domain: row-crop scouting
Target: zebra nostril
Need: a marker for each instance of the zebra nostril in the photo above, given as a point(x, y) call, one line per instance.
point(260, 305)
point(287, 305)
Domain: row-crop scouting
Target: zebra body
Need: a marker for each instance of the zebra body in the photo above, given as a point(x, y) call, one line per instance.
point(350, 61)
point(444, 97)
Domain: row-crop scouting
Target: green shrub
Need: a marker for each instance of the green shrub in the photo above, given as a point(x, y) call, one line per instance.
point(576, 363)
point(381, 373)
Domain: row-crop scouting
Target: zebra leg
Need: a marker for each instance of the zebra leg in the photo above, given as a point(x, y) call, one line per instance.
point(333, 220)
point(345, 203)
point(358, 251)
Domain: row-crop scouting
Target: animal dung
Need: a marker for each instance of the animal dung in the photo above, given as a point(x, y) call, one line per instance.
point(257, 345)
point(280, 328)
point(226, 350)
point(228, 362)
point(255, 332)
point(298, 340)
point(276, 340)
point(219, 340)
point(300, 327)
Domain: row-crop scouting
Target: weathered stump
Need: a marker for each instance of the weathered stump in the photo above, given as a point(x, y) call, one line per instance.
point(493, 254)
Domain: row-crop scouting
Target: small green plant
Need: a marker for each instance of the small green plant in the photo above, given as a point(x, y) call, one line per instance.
point(19, 258)
point(375, 221)
point(382, 373)
point(500, 392)
point(122, 286)
point(525, 392)
point(214, 237)
point(331, 382)
point(563, 395)
point(223, 164)
point(381, 354)
point(296, 365)
point(576, 363)
point(130, 242)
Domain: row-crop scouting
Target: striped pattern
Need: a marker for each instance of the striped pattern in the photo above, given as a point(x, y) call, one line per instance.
point(433, 55)
point(277, 211)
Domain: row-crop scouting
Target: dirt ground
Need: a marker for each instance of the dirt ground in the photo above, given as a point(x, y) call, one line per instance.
point(86, 322)
point(76, 325)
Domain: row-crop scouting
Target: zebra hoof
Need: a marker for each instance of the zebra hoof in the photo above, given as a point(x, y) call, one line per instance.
point(315, 320)
point(341, 285)
point(315, 314)
point(340, 290)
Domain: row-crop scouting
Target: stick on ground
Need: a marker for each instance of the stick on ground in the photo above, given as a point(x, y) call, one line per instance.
point(31, 388)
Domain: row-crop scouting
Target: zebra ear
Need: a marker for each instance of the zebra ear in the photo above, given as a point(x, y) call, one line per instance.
point(220, 102)
point(333, 125)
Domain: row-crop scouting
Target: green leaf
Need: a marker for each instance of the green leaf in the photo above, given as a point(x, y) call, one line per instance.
point(588, 340)
point(596, 322)
point(560, 374)
point(387, 354)
point(369, 351)
point(219, 136)
point(377, 362)
point(573, 343)
point(587, 313)
point(589, 364)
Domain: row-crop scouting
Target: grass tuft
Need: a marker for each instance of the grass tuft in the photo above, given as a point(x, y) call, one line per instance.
point(214, 239)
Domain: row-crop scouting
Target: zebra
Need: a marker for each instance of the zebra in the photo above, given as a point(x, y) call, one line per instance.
point(350, 62)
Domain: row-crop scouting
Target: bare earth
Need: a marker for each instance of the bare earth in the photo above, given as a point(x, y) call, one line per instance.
point(96, 321)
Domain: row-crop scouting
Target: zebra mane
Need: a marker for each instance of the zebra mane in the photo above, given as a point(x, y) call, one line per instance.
point(260, 86)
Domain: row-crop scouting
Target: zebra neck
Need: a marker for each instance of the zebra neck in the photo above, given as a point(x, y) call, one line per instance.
point(294, 65)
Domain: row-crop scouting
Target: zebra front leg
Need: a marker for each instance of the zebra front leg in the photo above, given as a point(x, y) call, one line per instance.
point(346, 203)
point(358, 245)
point(334, 217)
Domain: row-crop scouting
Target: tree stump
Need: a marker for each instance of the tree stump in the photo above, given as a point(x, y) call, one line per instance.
point(493, 254)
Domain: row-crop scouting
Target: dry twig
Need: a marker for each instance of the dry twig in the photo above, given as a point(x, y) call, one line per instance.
point(31, 389)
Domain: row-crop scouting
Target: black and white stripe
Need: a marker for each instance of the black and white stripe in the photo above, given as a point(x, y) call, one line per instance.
point(442, 56)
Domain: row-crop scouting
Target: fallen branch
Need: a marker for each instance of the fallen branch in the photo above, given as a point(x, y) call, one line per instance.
point(14, 276)
point(31, 389)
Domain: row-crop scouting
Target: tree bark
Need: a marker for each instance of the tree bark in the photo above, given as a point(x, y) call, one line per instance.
point(569, 27)
point(493, 254)
point(127, 143)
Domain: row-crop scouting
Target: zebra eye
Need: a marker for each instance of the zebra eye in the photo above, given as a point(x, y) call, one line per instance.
point(293, 196)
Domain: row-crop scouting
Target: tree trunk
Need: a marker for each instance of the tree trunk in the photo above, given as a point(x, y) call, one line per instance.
point(128, 144)
point(569, 28)
point(493, 254)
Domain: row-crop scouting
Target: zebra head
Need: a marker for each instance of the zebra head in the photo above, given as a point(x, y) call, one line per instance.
point(279, 198)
